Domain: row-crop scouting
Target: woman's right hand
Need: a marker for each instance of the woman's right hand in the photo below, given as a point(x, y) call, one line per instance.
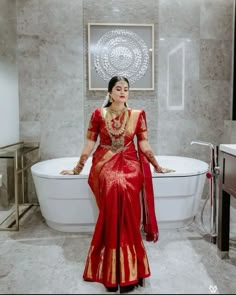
point(67, 172)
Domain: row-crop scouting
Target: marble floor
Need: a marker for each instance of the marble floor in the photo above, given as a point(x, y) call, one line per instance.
point(40, 260)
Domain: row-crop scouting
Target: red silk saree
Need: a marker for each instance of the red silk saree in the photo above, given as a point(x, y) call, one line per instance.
point(121, 182)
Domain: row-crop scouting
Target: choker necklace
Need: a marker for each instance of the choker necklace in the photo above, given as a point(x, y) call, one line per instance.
point(118, 112)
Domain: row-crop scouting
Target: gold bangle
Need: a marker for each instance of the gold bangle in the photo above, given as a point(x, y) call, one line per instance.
point(159, 169)
point(75, 171)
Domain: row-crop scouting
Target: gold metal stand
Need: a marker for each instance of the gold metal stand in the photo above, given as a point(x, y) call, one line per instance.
point(17, 152)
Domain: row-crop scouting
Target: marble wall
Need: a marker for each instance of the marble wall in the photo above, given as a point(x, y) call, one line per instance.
point(193, 71)
point(51, 75)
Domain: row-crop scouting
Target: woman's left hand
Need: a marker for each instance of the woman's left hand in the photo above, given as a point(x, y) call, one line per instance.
point(164, 170)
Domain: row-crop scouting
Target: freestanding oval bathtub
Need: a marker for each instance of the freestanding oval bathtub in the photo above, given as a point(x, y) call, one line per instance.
point(67, 202)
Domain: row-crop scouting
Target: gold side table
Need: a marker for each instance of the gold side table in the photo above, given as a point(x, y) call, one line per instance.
point(17, 152)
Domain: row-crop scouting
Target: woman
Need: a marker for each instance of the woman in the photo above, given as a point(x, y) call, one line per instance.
point(119, 176)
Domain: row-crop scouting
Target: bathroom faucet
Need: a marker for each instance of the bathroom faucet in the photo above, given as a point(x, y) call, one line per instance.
point(213, 173)
point(203, 143)
point(214, 155)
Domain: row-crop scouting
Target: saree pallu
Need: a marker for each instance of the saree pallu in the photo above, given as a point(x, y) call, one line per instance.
point(117, 254)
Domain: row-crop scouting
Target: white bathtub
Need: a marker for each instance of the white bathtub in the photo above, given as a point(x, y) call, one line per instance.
point(67, 203)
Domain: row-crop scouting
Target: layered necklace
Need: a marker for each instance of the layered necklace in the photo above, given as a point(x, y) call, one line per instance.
point(116, 122)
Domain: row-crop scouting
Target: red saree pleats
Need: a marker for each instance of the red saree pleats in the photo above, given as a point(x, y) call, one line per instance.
point(117, 254)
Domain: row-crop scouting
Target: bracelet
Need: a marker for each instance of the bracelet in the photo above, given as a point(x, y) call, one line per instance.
point(159, 169)
point(75, 171)
point(78, 168)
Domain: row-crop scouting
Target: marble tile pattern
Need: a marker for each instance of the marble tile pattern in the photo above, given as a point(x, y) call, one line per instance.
point(40, 260)
point(229, 132)
point(216, 19)
point(193, 71)
point(179, 19)
point(8, 29)
point(52, 39)
point(50, 49)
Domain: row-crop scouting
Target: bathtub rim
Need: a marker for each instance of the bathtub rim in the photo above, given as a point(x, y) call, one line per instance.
point(154, 174)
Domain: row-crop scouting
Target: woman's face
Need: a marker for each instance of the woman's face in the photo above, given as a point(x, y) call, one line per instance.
point(120, 92)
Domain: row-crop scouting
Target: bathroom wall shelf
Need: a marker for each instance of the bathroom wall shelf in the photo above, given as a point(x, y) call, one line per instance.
point(18, 153)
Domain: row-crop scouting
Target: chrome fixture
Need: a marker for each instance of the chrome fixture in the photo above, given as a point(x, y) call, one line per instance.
point(212, 175)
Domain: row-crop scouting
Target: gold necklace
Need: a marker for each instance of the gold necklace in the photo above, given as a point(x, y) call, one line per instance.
point(116, 125)
point(119, 112)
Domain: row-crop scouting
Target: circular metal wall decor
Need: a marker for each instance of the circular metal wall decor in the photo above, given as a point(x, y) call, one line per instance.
point(121, 52)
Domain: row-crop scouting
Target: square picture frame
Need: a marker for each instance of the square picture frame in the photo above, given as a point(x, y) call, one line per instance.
point(121, 49)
